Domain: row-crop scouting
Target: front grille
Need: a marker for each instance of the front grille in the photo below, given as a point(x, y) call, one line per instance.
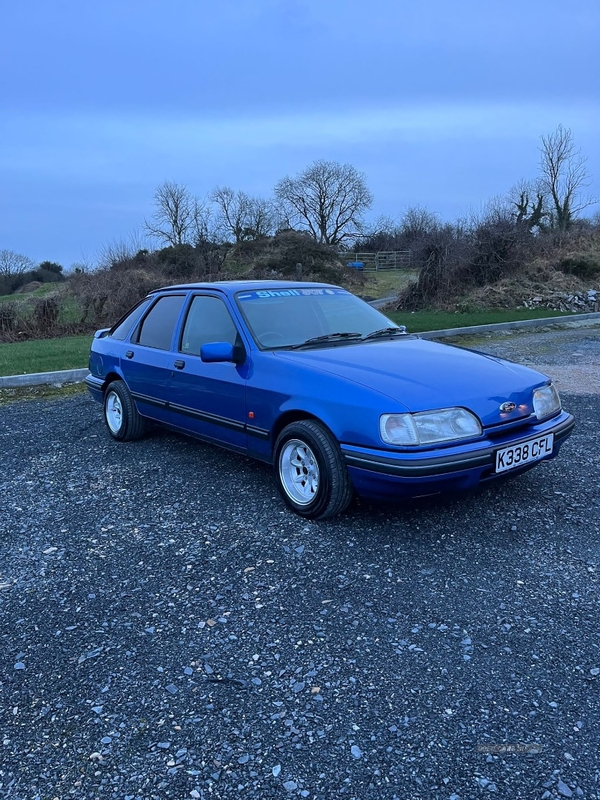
point(502, 428)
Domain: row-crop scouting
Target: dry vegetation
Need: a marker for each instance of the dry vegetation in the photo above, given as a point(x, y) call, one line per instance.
point(498, 265)
point(89, 300)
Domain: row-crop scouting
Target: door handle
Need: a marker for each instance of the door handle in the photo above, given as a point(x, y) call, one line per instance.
point(179, 364)
point(129, 354)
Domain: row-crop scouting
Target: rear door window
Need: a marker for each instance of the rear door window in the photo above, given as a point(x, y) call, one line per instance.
point(159, 324)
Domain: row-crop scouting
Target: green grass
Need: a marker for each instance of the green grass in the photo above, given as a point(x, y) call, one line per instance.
point(69, 307)
point(70, 310)
point(418, 321)
point(385, 283)
point(22, 297)
point(44, 355)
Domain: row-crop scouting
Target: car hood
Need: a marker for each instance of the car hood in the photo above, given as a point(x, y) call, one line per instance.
point(423, 375)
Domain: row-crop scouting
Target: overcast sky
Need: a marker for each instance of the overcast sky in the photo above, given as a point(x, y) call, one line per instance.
point(440, 104)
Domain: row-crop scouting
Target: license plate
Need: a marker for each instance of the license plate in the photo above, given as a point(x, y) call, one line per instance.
point(518, 454)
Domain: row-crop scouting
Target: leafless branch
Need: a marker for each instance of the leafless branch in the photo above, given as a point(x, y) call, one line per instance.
point(563, 174)
point(328, 199)
point(13, 264)
point(175, 216)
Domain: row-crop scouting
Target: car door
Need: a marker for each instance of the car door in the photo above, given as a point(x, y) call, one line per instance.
point(146, 361)
point(209, 398)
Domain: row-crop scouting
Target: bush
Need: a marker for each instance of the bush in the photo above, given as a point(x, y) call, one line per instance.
point(105, 295)
point(458, 260)
point(278, 257)
point(9, 284)
point(32, 318)
point(46, 275)
point(45, 312)
point(585, 267)
point(9, 318)
point(181, 262)
point(51, 266)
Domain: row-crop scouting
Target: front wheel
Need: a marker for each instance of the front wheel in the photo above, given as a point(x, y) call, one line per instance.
point(120, 414)
point(310, 471)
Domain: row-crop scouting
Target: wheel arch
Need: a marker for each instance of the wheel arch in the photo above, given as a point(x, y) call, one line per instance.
point(109, 378)
point(286, 418)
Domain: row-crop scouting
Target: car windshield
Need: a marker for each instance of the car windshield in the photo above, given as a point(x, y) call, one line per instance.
point(309, 317)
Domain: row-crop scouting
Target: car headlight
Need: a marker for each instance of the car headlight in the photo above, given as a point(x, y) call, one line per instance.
point(428, 427)
point(546, 401)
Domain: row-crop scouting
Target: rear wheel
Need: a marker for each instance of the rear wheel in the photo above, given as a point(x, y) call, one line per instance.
point(310, 471)
point(122, 418)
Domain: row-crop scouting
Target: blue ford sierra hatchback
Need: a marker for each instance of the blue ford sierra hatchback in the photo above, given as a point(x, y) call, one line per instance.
point(318, 383)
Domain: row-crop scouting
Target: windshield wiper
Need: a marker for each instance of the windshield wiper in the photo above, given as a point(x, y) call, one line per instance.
point(328, 337)
point(399, 329)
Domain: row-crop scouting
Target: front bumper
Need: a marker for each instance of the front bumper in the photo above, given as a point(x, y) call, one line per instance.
point(384, 473)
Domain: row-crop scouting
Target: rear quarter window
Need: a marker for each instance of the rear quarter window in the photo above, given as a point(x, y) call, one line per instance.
point(126, 323)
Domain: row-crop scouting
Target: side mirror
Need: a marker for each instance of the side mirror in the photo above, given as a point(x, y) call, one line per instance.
point(100, 334)
point(215, 352)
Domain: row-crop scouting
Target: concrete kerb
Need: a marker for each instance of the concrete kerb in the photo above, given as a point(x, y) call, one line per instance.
point(571, 321)
point(41, 378)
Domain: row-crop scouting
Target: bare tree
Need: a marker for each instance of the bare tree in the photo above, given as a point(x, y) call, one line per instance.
point(203, 229)
point(176, 215)
point(524, 206)
point(328, 198)
point(418, 222)
point(120, 250)
point(234, 210)
point(381, 235)
point(563, 174)
point(525, 203)
point(262, 219)
point(242, 216)
point(13, 264)
point(385, 224)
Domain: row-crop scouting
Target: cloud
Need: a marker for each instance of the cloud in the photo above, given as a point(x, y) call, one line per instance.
point(101, 145)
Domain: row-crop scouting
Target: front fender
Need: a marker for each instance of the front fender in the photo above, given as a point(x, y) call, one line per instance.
point(351, 411)
point(348, 422)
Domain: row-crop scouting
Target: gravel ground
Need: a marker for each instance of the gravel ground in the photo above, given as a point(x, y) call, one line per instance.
point(169, 630)
point(570, 356)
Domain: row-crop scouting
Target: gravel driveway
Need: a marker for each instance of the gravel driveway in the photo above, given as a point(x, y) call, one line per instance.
point(570, 356)
point(169, 630)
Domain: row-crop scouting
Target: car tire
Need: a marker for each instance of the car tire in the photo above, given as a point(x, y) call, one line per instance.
point(310, 471)
point(122, 418)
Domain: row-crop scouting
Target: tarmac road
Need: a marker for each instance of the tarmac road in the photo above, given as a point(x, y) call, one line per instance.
point(169, 630)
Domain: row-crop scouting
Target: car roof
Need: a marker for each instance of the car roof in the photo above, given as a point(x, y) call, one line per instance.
point(231, 287)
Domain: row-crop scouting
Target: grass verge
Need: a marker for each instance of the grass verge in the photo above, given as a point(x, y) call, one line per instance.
point(44, 355)
point(418, 321)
